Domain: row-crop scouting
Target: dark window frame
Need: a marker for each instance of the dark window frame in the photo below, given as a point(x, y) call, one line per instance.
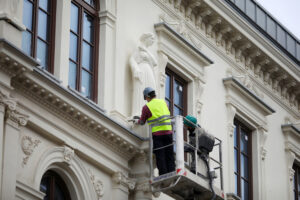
point(83, 7)
point(296, 168)
point(241, 126)
point(55, 178)
point(34, 32)
point(174, 76)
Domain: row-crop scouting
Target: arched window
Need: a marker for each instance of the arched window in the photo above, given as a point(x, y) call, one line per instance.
point(54, 187)
point(83, 55)
point(38, 38)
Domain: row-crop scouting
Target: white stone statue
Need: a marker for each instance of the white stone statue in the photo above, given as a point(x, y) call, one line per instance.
point(142, 64)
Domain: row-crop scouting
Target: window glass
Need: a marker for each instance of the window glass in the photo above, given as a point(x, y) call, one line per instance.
point(235, 137)
point(298, 51)
point(244, 167)
point(27, 14)
point(250, 9)
point(74, 18)
point(72, 75)
point(235, 160)
point(37, 40)
point(44, 4)
point(291, 45)
point(178, 94)
point(73, 46)
point(42, 53)
point(244, 142)
point(240, 4)
point(88, 28)
point(90, 2)
point(86, 86)
point(43, 30)
point(281, 36)
point(271, 27)
point(245, 190)
point(168, 86)
point(87, 56)
point(236, 184)
point(26, 42)
point(261, 18)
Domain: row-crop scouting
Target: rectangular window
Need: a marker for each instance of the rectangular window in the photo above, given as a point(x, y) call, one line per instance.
point(291, 45)
point(242, 161)
point(250, 9)
point(83, 56)
point(176, 93)
point(38, 38)
point(296, 182)
point(261, 18)
point(271, 27)
point(281, 36)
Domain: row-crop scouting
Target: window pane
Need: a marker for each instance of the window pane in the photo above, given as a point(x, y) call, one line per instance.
point(43, 31)
point(167, 87)
point(45, 187)
point(298, 51)
point(177, 111)
point(235, 184)
point(235, 161)
point(73, 47)
point(244, 167)
point(91, 2)
point(245, 190)
point(250, 9)
point(87, 56)
point(244, 142)
point(72, 75)
point(44, 4)
point(26, 42)
point(42, 53)
point(298, 179)
point(281, 36)
point(86, 86)
point(178, 94)
point(240, 4)
point(261, 18)
point(291, 45)
point(235, 136)
point(59, 194)
point(271, 27)
point(74, 18)
point(88, 28)
point(27, 14)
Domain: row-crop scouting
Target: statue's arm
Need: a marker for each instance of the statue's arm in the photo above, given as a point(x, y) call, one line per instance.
point(135, 69)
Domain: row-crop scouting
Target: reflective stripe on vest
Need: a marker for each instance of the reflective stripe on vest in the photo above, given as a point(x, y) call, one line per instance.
point(159, 111)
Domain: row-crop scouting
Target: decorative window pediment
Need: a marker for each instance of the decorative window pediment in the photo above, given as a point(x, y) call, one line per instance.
point(172, 43)
point(238, 93)
point(292, 138)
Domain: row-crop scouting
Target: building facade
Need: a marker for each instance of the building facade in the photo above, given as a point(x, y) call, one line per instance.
point(72, 74)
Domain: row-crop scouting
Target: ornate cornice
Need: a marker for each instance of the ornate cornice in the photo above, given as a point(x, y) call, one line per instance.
point(70, 113)
point(210, 27)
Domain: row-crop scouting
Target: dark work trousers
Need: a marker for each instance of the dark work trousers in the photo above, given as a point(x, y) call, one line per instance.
point(164, 156)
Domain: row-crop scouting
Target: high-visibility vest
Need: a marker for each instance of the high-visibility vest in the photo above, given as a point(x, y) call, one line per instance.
point(159, 111)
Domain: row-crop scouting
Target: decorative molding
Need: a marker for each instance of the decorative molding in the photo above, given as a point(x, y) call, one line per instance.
point(11, 103)
point(120, 178)
point(28, 144)
point(231, 111)
point(16, 118)
point(98, 185)
point(202, 20)
point(68, 154)
point(143, 186)
point(68, 112)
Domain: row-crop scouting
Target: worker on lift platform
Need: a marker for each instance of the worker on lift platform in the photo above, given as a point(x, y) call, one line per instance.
point(156, 112)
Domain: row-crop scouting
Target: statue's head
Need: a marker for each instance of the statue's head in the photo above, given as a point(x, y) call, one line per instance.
point(147, 39)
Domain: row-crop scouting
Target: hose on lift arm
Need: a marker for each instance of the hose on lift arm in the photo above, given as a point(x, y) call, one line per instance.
point(204, 157)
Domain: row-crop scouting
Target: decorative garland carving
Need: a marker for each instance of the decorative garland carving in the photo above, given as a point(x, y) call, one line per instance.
point(28, 144)
point(120, 178)
point(98, 185)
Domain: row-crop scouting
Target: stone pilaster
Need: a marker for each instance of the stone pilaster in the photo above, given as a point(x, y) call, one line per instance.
point(13, 123)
